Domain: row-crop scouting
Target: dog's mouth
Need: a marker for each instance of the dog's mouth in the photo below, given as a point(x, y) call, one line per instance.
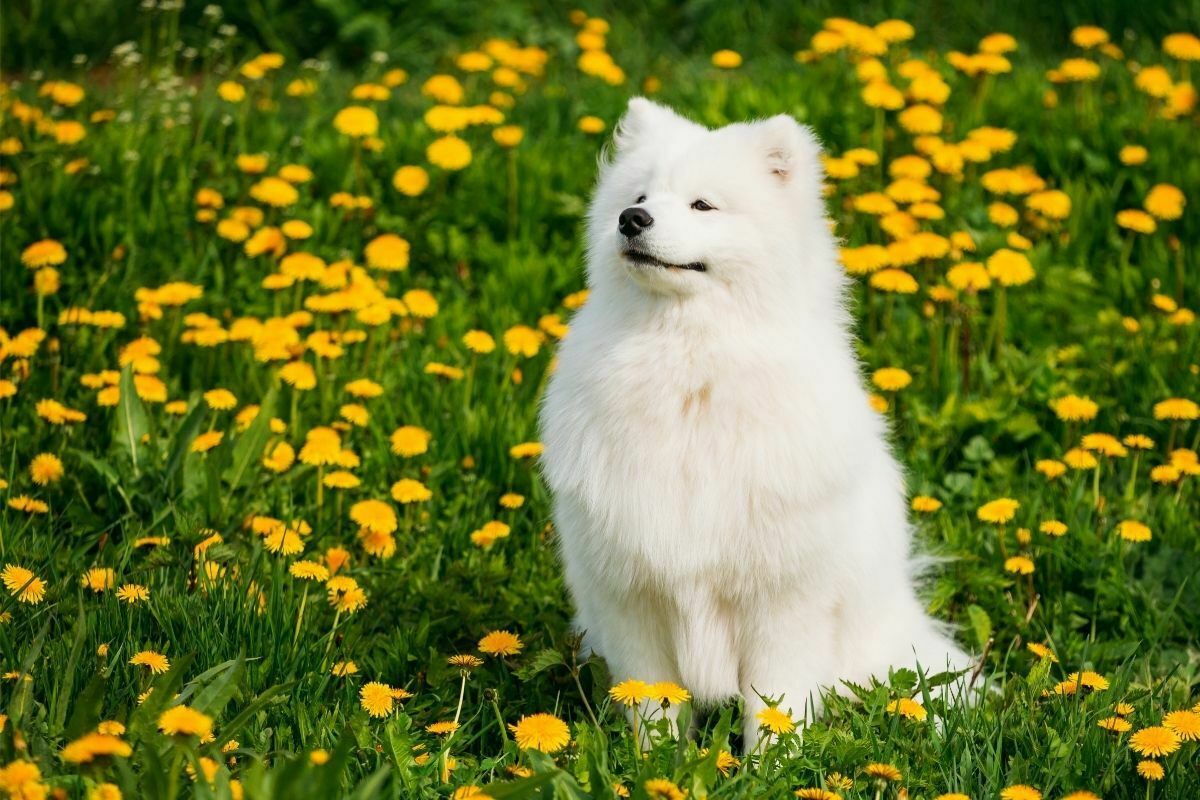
point(645, 259)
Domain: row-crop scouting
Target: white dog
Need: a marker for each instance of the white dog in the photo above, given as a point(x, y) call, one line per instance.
point(730, 516)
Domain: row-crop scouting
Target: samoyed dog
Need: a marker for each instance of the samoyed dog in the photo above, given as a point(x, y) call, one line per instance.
point(730, 516)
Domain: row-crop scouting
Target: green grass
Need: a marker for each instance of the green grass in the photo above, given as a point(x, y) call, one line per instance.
point(497, 244)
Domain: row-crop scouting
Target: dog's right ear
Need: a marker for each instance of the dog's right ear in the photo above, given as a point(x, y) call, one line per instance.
point(643, 119)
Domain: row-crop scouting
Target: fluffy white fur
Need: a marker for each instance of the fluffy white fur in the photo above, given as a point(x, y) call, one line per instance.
point(730, 515)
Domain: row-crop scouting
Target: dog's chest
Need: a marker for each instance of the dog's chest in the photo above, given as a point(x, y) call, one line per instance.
point(688, 457)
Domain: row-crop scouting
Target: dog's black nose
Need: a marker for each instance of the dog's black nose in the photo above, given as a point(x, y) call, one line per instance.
point(633, 221)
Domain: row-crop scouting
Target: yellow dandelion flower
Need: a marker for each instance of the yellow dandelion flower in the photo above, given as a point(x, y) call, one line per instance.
point(387, 252)
point(407, 490)
point(410, 180)
point(544, 732)
point(185, 721)
point(726, 59)
point(906, 707)
point(1115, 724)
point(133, 593)
point(449, 153)
point(630, 692)
point(220, 399)
point(356, 122)
point(999, 511)
point(775, 721)
point(479, 342)
point(46, 468)
point(207, 441)
point(1176, 408)
point(1184, 724)
point(522, 340)
point(465, 661)
point(500, 643)
point(409, 440)
point(377, 699)
point(92, 746)
point(891, 379)
point(1133, 531)
point(23, 584)
point(1136, 220)
point(343, 669)
point(1154, 741)
point(1020, 565)
point(156, 662)
point(98, 579)
point(882, 772)
point(44, 253)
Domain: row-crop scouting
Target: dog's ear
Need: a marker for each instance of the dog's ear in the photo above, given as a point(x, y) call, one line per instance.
point(645, 119)
point(788, 147)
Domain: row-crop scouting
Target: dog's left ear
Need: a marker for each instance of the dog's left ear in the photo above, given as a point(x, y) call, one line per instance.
point(788, 146)
point(645, 120)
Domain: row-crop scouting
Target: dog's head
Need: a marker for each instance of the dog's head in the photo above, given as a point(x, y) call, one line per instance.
point(682, 210)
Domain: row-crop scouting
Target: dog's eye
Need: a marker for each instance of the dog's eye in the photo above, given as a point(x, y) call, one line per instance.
point(700, 205)
point(641, 199)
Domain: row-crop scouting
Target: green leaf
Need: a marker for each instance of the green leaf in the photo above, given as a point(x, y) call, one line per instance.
point(398, 740)
point(233, 726)
point(371, 786)
point(66, 677)
point(978, 450)
point(1038, 675)
point(213, 698)
point(85, 711)
point(182, 441)
point(522, 788)
point(21, 702)
point(249, 447)
point(330, 778)
point(102, 468)
point(143, 723)
point(544, 660)
point(132, 422)
point(981, 624)
point(1022, 426)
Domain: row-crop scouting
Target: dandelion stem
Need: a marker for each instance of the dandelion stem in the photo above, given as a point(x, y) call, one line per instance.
point(332, 632)
point(583, 696)
point(637, 739)
point(300, 617)
point(1001, 320)
point(320, 490)
point(512, 193)
point(1126, 275)
point(462, 691)
point(499, 718)
point(935, 349)
point(1133, 473)
point(964, 352)
point(879, 126)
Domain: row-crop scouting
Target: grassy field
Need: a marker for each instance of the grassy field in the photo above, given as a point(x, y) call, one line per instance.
point(273, 335)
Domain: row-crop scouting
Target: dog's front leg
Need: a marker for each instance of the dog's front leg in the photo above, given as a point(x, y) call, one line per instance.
point(629, 629)
point(787, 647)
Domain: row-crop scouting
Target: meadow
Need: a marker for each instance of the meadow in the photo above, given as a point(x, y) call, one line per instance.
point(272, 337)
